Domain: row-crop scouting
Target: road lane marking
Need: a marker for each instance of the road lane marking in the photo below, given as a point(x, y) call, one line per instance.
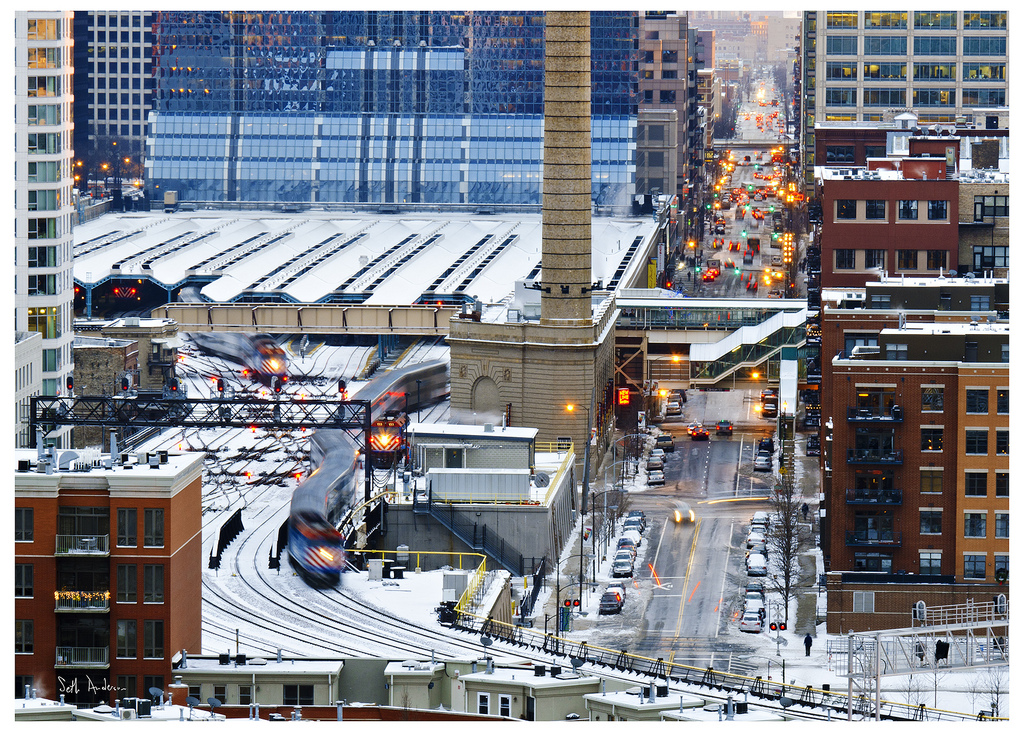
point(689, 565)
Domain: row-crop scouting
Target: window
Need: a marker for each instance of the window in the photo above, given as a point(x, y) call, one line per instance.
point(936, 259)
point(153, 638)
point(985, 46)
point(667, 96)
point(931, 522)
point(908, 212)
point(298, 695)
point(153, 583)
point(1002, 525)
point(846, 258)
point(23, 520)
point(885, 45)
point(666, 74)
point(127, 580)
point(840, 97)
point(977, 400)
point(24, 632)
point(932, 399)
point(934, 72)
point(906, 259)
point(874, 258)
point(937, 210)
point(991, 206)
point(976, 484)
point(1002, 562)
point(931, 562)
point(934, 19)
point(127, 527)
point(935, 45)
point(244, 694)
point(934, 97)
point(504, 705)
point(863, 602)
point(841, 71)
point(982, 97)
point(980, 302)
point(1002, 401)
point(154, 529)
point(1002, 485)
point(839, 153)
point(127, 685)
point(148, 682)
point(874, 151)
point(23, 580)
point(896, 352)
point(974, 525)
point(220, 693)
point(931, 481)
point(841, 46)
point(885, 20)
point(887, 71)
point(931, 439)
point(483, 703)
point(1004, 351)
point(670, 57)
point(974, 566)
point(127, 644)
point(984, 19)
point(874, 209)
point(1002, 442)
point(885, 97)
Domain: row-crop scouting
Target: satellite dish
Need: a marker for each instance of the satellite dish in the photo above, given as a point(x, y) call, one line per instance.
point(192, 701)
point(541, 480)
point(214, 702)
point(486, 641)
point(786, 702)
point(156, 691)
point(576, 662)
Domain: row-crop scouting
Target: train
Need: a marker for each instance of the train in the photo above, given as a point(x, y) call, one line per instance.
point(316, 549)
point(264, 360)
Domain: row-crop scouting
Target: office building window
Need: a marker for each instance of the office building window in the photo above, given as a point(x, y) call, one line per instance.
point(863, 602)
point(980, 302)
point(976, 442)
point(974, 566)
point(1002, 401)
point(934, 19)
point(974, 525)
point(936, 259)
point(990, 207)
point(846, 258)
point(984, 19)
point(23, 580)
point(908, 211)
point(127, 583)
point(885, 97)
point(937, 210)
point(931, 439)
point(976, 484)
point(24, 636)
point(985, 46)
point(885, 19)
point(841, 71)
point(153, 638)
point(931, 522)
point(1002, 485)
point(886, 71)
point(931, 481)
point(885, 45)
point(934, 97)
point(896, 352)
point(931, 562)
point(23, 524)
point(935, 45)
point(989, 257)
point(127, 645)
point(874, 209)
point(667, 96)
point(934, 72)
point(153, 583)
point(1002, 442)
point(874, 258)
point(976, 401)
point(1002, 525)
point(994, 97)
point(840, 97)
point(154, 529)
point(906, 259)
point(127, 527)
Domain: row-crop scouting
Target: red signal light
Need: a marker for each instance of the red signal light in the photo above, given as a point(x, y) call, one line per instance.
point(568, 603)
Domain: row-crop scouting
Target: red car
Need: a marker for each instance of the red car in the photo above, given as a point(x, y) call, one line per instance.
point(700, 433)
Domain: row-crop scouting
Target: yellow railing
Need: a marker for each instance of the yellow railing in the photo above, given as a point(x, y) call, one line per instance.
point(468, 598)
point(383, 553)
point(570, 458)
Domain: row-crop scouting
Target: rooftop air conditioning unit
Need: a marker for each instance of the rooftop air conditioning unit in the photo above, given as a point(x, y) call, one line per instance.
point(129, 714)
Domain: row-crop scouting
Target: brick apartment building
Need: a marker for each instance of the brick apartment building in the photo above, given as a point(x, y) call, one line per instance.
point(108, 561)
point(915, 412)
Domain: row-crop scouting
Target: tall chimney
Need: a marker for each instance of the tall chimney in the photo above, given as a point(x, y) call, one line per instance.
point(565, 231)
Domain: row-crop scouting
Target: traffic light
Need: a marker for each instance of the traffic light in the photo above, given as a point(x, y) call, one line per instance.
point(70, 383)
point(173, 385)
point(220, 385)
point(773, 626)
point(276, 382)
point(739, 272)
point(125, 383)
point(342, 386)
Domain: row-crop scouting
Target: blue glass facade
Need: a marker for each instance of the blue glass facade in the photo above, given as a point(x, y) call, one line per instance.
point(376, 107)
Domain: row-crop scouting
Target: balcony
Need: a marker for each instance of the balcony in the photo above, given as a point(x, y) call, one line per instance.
point(82, 545)
point(859, 414)
point(873, 456)
point(892, 497)
point(73, 601)
point(82, 657)
point(874, 537)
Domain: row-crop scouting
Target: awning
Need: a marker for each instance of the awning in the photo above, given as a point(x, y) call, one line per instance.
point(174, 342)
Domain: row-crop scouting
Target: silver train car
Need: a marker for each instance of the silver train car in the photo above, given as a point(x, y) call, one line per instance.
point(260, 355)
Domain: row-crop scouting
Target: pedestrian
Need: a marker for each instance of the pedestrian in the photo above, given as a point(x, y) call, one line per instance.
point(805, 508)
point(919, 651)
point(807, 644)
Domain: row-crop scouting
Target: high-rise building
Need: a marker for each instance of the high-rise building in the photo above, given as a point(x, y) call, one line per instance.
point(44, 204)
point(858, 64)
point(113, 93)
point(376, 107)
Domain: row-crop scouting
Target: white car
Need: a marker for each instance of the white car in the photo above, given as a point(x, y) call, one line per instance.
point(622, 568)
point(752, 605)
point(658, 453)
point(751, 623)
point(757, 566)
point(754, 538)
point(762, 462)
point(656, 477)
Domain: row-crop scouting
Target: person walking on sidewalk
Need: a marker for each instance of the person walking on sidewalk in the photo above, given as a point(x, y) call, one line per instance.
point(807, 644)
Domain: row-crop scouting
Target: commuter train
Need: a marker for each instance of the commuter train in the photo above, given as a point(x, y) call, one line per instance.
point(316, 549)
point(260, 354)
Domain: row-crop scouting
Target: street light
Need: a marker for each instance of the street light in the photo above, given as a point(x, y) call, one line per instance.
point(586, 478)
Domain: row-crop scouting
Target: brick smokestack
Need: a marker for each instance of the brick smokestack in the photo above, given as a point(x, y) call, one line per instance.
point(566, 244)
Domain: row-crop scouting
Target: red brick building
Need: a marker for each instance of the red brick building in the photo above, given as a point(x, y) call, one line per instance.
point(108, 564)
point(915, 410)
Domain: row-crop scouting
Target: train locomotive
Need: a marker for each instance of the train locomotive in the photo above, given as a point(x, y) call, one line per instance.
point(264, 360)
point(315, 546)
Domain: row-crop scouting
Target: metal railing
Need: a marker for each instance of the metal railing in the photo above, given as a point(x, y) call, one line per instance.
point(88, 544)
point(860, 414)
point(892, 497)
point(474, 589)
point(874, 456)
point(874, 538)
point(76, 601)
point(82, 656)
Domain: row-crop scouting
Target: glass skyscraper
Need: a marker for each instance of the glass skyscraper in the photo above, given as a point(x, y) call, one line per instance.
point(417, 107)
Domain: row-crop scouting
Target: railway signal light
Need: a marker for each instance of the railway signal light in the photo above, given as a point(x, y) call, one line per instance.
point(782, 625)
point(342, 387)
point(70, 383)
point(220, 385)
point(773, 626)
point(174, 385)
point(125, 383)
point(567, 603)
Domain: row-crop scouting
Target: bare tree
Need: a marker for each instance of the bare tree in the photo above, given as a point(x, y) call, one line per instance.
point(912, 689)
point(785, 539)
point(994, 684)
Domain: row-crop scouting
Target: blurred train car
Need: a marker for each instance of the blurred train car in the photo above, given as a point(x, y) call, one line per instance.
point(316, 549)
point(264, 360)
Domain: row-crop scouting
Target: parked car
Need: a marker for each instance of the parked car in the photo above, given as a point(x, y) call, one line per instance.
point(751, 623)
point(622, 568)
point(753, 586)
point(655, 463)
point(724, 427)
point(766, 446)
point(658, 453)
point(634, 535)
point(757, 566)
point(760, 519)
point(759, 548)
point(813, 445)
point(665, 442)
point(627, 543)
point(700, 433)
point(638, 514)
point(656, 477)
point(754, 537)
point(635, 524)
point(611, 602)
point(762, 462)
point(753, 605)
point(673, 409)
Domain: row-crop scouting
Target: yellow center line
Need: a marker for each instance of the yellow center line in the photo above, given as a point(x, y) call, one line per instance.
point(686, 582)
